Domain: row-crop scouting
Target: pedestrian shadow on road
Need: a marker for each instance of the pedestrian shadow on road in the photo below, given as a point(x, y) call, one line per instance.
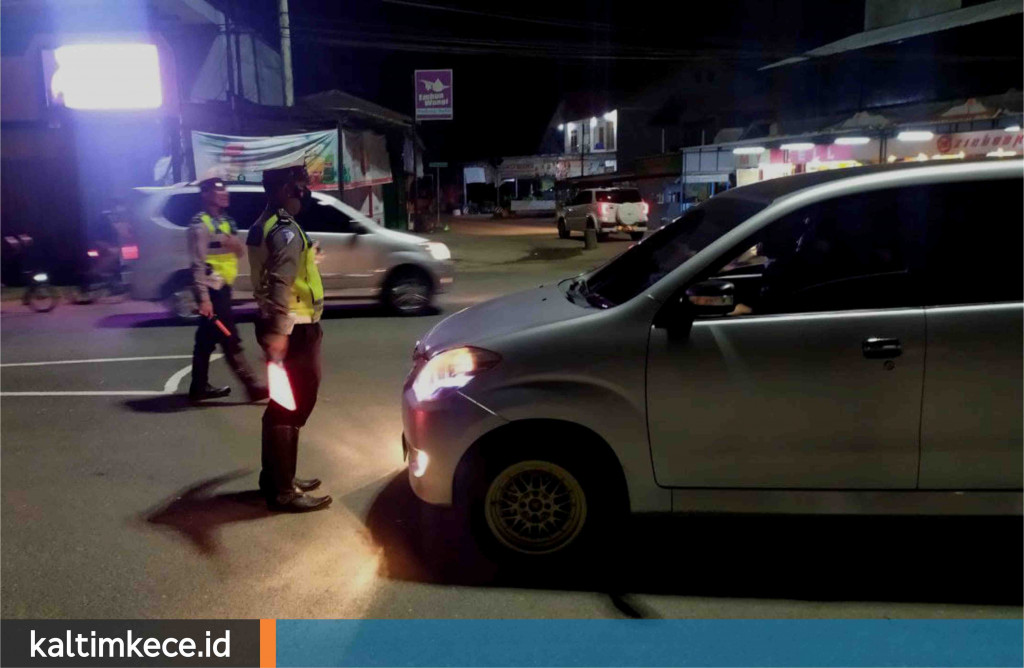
point(197, 515)
point(952, 560)
point(332, 311)
point(177, 403)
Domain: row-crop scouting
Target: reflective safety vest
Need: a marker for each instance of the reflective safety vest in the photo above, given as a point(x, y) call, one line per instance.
point(308, 290)
point(222, 261)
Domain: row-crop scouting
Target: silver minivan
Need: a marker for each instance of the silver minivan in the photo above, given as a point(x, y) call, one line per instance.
point(846, 341)
point(361, 260)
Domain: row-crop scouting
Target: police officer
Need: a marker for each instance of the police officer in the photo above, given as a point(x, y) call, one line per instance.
point(289, 293)
point(215, 248)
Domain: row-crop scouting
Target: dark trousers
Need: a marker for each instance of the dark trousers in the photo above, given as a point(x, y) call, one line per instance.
point(280, 425)
point(208, 335)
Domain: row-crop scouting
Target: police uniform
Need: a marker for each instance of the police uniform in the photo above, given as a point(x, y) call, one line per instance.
point(289, 293)
point(214, 269)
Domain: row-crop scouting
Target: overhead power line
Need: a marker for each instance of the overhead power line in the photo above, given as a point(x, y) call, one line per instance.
point(556, 23)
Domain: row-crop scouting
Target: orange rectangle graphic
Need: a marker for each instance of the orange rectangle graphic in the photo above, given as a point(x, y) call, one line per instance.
point(268, 643)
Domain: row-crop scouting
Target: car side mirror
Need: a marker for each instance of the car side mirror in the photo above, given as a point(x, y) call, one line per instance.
point(711, 298)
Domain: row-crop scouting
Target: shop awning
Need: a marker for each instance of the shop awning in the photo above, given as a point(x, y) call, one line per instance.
point(908, 29)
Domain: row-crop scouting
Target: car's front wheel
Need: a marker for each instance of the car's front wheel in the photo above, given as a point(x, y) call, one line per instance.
point(409, 291)
point(563, 230)
point(536, 506)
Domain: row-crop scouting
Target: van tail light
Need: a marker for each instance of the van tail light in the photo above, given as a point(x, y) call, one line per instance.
point(646, 207)
point(129, 252)
point(606, 209)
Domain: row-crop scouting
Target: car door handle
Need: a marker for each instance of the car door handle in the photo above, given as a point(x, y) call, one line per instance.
point(880, 349)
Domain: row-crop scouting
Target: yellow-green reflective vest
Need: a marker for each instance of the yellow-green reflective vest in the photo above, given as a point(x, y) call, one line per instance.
point(308, 289)
point(221, 260)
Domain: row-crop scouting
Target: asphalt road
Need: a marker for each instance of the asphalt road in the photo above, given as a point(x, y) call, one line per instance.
point(135, 505)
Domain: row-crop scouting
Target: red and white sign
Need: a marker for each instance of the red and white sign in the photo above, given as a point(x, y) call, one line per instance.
point(970, 143)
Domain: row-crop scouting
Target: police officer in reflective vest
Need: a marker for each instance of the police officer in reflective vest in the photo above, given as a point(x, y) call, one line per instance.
point(288, 290)
point(215, 249)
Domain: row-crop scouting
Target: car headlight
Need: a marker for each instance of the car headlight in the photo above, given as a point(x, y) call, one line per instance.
point(40, 278)
point(439, 251)
point(451, 369)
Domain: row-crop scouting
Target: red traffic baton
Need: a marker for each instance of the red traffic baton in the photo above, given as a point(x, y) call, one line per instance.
point(221, 326)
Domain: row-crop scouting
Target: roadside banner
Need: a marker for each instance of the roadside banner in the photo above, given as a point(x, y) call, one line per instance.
point(434, 99)
point(243, 159)
point(366, 161)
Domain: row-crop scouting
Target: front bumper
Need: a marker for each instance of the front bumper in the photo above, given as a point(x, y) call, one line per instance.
point(444, 428)
point(444, 275)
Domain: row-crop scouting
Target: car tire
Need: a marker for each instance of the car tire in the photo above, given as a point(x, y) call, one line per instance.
point(41, 298)
point(563, 231)
point(181, 303)
point(408, 292)
point(636, 236)
point(539, 506)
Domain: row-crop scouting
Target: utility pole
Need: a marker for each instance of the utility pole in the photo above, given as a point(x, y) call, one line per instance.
point(286, 51)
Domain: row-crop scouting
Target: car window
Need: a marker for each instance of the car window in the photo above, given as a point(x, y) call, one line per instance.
point(180, 208)
point(975, 241)
point(646, 263)
point(322, 217)
point(856, 252)
point(246, 207)
point(582, 198)
point(618, 196)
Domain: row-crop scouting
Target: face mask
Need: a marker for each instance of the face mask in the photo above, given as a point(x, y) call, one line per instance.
point(306, 201)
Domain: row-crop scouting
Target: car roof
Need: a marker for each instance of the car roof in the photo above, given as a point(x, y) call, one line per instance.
point(766, 192)
point(611, 188)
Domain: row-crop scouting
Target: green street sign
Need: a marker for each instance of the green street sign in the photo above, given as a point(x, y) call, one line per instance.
point(434, 165)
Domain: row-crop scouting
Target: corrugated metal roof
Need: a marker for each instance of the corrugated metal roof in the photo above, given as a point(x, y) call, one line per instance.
point(908, 29)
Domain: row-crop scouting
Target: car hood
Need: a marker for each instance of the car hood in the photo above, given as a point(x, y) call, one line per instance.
point(519, 311)
point(411, 241)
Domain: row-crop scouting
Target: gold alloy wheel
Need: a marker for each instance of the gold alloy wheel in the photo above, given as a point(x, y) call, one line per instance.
point(535, 507)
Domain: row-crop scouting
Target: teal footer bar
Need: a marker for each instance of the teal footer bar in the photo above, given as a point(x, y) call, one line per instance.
point(487, 643)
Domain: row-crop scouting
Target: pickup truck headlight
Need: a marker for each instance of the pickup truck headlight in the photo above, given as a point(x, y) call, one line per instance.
point(451, 369)
point(439, 251)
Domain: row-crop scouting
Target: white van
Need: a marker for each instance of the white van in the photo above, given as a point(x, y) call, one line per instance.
point(362, 260)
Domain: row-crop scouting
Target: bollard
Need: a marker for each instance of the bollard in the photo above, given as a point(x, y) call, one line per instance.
point(590, 238)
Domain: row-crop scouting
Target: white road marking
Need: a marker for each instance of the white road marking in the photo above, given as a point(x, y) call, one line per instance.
point(101, 360)
point(111, 393)
point(170, 387)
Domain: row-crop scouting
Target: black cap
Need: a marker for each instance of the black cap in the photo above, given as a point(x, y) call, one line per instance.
point(275, 177)
point(211, 184)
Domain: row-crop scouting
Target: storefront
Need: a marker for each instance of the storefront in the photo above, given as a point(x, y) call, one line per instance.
point(977, 128)
point(995, 143)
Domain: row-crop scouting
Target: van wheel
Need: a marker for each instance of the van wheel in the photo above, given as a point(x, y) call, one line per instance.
point(181, 304)
point(408, 292)
point(539, 506)
point(563, 231)
point(40, 298)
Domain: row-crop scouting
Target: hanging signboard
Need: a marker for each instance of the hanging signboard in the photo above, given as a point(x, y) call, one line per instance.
point(433, 92)
point(244, 159)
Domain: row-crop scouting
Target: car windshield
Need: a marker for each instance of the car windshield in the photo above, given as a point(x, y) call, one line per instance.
point(648, 262)
point(618, 196)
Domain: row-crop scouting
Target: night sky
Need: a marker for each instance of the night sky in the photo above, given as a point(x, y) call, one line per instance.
point(513, 62)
